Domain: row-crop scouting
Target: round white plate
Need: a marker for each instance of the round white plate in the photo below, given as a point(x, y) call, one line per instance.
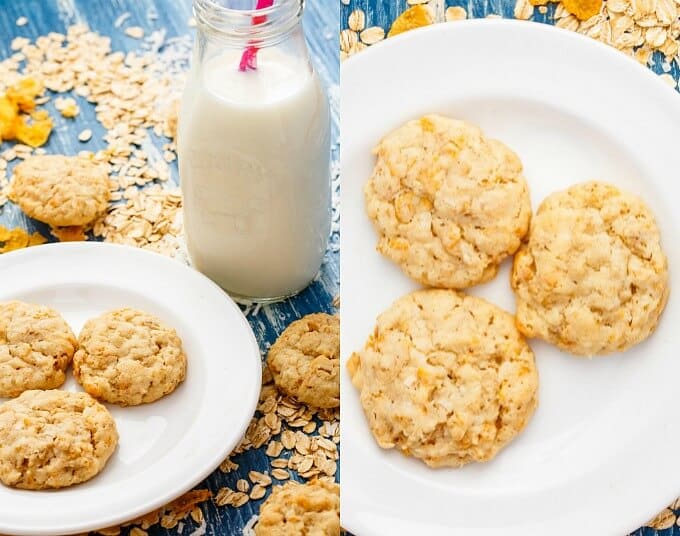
point(600, 455)
point(165, 447)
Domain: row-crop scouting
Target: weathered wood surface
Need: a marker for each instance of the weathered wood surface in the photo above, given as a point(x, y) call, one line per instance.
point(321, 26)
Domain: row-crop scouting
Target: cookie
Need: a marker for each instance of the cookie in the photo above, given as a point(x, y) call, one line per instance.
point(446, 378)
point(36, 348)
point(592, 277)
point(61, 190)
point(305, 360)
point(311, 509)
point(54, 439)
point(128, 357)
point(448, 203)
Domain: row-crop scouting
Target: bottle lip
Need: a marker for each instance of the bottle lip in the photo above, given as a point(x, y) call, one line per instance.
point(265, 26)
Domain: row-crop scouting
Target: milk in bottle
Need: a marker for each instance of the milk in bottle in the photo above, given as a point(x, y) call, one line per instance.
point(254, 148)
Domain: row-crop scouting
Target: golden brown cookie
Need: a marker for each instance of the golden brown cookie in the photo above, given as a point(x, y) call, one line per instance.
point(445, 377)
point(449, 204)
point(61, 190)
point(311, 509)
point(128, 357)
point(54, 439)
point(592, 278)
point(36, 348)
point(305, 360)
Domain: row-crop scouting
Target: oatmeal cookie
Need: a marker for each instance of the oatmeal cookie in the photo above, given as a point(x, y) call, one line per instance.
point(592, 277)
point(311, 509)
point(36, 348)
point(305, 360)
point(61, 190)
point(128, 357)
point(449, 204)
point(446, 378)
point(54, 439)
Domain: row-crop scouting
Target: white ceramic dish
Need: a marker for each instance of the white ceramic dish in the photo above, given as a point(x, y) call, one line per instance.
point(166, 447)
point(600, 457)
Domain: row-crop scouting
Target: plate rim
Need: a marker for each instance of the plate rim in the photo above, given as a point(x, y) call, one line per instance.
point(208, 467)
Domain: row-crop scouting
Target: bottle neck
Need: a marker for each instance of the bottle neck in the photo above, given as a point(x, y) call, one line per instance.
point(237, 23)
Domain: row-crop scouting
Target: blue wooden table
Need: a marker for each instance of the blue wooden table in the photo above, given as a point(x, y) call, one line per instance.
point(321, 26)
point(383, 13)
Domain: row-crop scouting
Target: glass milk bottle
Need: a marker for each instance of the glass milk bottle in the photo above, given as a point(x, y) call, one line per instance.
point(254, 148)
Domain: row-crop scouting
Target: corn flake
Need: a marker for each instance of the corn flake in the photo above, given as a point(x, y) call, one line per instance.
point(414, 17)
point(24, 92)
point(36, 132)
point(12, 239)
point(13, 126)
point(582, 9)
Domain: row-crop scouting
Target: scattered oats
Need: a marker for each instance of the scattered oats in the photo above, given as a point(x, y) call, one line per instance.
point(280, 474)
point(121, 19)
point(85, 135)
point(197, 515)
point(22, 21)
point(67, 106)
point(279, 463)
point(542, 10)
point(257, 492)
point(223, 496)
point(169, 156)
point(372, 35)
point(416, 2)
point(152, 212)
point(136, 32)
point(455, 13)
point(348, 39)
point(288, 439)
point(523, 10)
point(136, 531)
point(305, 465)
point(326, 444)
point(238, 499)
point(242, 485)
point(331, 468)
point(263, 479)
point(19, 43)
point(357, 20)
point(309, 428)
point(568, 23)
point(227, 466)
point(274, 448)
point(298, 423)
point(668, 79)
point(302, 442)
point(273, 422)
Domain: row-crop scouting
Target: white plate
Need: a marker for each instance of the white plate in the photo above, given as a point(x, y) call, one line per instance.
point(166, 447)
point(600, 455)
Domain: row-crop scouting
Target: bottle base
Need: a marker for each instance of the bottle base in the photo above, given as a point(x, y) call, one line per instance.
point(255, 299)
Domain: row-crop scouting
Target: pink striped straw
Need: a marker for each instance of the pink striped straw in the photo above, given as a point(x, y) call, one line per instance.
point(249, 57)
